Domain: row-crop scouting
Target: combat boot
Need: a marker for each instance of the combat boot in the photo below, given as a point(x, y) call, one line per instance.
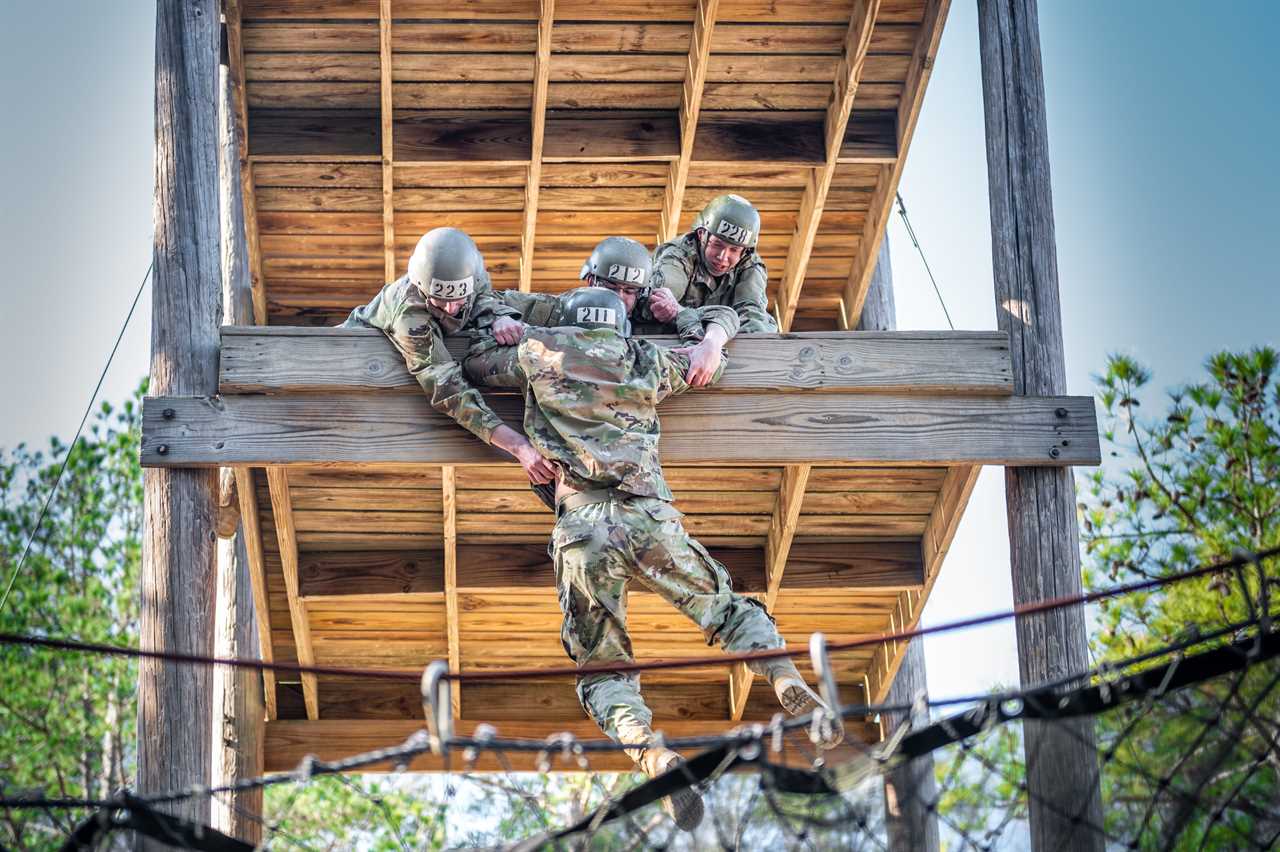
point(683, 806)
point(797, 698)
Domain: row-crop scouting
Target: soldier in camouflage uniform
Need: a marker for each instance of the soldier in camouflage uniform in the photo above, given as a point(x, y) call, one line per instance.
point(591, 408)
point(715, 264)
point(623, 266)
point(447, 291)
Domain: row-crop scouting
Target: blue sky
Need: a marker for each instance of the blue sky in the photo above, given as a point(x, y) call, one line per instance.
point(1162, 121)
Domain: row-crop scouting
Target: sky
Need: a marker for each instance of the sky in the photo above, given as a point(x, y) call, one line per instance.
point(1165, 192)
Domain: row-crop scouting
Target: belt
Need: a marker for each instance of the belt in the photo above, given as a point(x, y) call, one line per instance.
point(590, 496)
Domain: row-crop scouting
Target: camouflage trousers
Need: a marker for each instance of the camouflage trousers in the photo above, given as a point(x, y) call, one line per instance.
point(600, 547)
point(489, 364)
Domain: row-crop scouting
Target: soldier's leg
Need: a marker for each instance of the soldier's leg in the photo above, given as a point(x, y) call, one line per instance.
point(489, 364)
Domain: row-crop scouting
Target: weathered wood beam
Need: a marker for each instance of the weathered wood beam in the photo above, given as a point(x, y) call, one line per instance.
point(282, 360)
point(782, 530)
point(282, 511)
point(839, 109)
point(695, 77)
point(258, 577)
point(387, 115)
point(288, 742)
point(449, 500)
point(538, 119)
point(352, 575)
point(240, 113)
point(922, 58)
point(752, 428)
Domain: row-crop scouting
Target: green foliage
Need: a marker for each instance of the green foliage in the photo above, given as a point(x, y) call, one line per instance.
point(67, 722)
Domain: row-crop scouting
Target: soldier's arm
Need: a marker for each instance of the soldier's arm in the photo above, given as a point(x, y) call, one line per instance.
point(671, 269)
point(751, 301)
point(674, 368)
point(693, 323)
point(488, 306)
point(531, 308)
point(365, 316)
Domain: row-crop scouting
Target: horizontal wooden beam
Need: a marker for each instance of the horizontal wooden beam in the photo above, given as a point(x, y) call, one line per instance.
point(874, 566)
point(288, 742)
point(257, 359)
point(698, 428)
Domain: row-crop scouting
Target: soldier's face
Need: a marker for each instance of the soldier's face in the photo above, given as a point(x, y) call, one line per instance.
point(719, 255)
point(452, 307)
point(629, 294)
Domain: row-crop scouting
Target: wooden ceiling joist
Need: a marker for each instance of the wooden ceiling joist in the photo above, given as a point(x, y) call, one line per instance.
point(695, 77)
point(538, 119)
point(387, 116)
point(282, 512)
point(252, 532)
point(840, 108)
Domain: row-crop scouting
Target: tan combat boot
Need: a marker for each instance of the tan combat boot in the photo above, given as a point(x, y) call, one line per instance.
point(797, 698)
point(683, 806)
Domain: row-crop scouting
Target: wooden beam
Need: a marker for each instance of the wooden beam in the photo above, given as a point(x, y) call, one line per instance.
point(695, 77)
point(926, 49)
point(753, 428)
point(282, 511)
point(839, 109)
point(872, 566)
point(258, 577)
point(782, 529)
point(288, 742)
point(449, 499)
point(235, 72)
point(386, 113)
point(538, 118)
point(285, 359)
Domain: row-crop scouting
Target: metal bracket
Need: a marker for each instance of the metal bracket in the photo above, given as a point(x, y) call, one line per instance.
point(437, 705)
point(831, 714)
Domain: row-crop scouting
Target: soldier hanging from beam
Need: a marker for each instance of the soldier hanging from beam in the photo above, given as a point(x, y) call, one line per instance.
point(447, 291)
point(591, 397)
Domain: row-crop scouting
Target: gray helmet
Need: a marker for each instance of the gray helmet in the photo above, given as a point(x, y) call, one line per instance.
point(445, 264)
point(732, 218)
point(595, 307)
point(620, 260)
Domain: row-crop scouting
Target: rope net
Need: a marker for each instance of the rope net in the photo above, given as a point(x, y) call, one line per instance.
point(1187, 735)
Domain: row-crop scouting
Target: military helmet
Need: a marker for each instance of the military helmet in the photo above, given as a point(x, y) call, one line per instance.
point(445, 264)
point(595, 307)
point(619, 260)
point(732, 218)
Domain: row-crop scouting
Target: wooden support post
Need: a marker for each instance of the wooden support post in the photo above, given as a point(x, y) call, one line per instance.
point(695, 78)
point(240, 114)
point(238, 712)
point(1044, 545)
point(282, 510)
point(178, 558)
point(533, 179)
point(251, 530)
point(387, 114)
point(449, 500)
point(839, 108)
point(909, 824)
point(782, 530)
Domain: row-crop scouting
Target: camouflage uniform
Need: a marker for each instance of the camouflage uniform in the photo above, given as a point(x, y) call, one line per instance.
point(677, 265)
point(591, 406)
point(417, 331)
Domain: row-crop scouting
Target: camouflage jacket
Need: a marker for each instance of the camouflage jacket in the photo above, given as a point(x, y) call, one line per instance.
point(591, 405)
point(417, 330)
point(543, 309)
point(677, 265)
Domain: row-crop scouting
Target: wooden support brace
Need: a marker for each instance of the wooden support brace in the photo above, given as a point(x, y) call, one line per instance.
point(839, 109)
point(282, 510)
point(387, 114)
point(690, 105)
point(235, 71)
point(533, 178)
point(449, 500)
point(864, 263)
point(258, 577)
point(782, 531)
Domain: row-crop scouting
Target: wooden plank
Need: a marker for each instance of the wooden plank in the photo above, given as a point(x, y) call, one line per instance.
point(533, 179)
point(282, 511)
point(240, 115)
point(283, 360)
point(448, 495)
point(839, 109)
point(288, 742)
point(926, 50)
point(753, 428)
point(252, 530)
point(386, 114)
point(695, 76)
